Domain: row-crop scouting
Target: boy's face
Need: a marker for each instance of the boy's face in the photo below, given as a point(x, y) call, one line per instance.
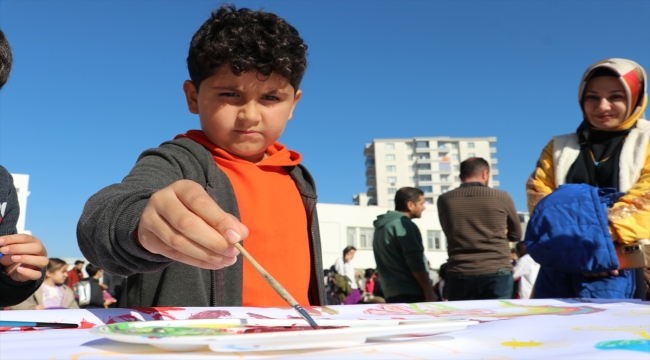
point(241, 114)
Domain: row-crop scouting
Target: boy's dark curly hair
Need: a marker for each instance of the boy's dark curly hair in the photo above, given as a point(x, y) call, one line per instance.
point(247, 40)
point(5, 59)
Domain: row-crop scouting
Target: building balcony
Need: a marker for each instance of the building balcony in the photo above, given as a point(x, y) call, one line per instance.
point(494, 161)
point(493, 150)
point(496, 183)
point(372, 192)
point(369, 150)
point(371, 182)
point(495, 171)
point(370, 171)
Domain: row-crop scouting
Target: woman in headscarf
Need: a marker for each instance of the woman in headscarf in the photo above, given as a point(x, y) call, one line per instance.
point(610, 149)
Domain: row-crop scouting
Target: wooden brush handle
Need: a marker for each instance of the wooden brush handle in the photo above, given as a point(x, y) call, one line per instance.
point(269, 279)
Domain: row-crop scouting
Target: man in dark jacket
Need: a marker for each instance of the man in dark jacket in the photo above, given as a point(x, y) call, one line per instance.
point(399, 253)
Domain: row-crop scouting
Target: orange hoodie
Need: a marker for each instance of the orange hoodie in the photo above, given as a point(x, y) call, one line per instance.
point(272, 209)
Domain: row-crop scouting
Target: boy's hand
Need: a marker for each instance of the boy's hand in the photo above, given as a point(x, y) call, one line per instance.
point(24, 257)
point(183, 223)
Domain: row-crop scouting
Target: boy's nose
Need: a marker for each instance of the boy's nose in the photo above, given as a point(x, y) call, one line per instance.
point(250, 112)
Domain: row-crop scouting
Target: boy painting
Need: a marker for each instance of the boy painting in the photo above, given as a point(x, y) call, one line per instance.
point(171, 223)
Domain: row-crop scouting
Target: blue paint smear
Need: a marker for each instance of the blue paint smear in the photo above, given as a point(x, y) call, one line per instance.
point(632, 345)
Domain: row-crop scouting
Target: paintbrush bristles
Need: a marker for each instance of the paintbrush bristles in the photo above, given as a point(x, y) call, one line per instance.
point(269, 279)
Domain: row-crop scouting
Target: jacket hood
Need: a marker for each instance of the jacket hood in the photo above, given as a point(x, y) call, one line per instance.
point(384, 219)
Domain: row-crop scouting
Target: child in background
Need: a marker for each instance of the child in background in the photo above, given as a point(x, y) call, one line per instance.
point(170, 225)
point(97, 293)
point(53, 293)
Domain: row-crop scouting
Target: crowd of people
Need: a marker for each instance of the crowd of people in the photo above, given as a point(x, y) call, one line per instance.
point(172, 223)
point(71, 289)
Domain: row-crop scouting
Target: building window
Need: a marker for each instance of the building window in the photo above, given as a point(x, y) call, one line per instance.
point(444, 178)
point(365, 237)
point(410, 157)
point(426, 189)
point(391, 168)
point(457, 179)
point(424, 156)
point(411, 179)
point(370, 161)
point(444, 166)
point(424, 177)
point(409, 145)
point(370, 178)
point(391, 204)
point(392, 190)
point(433, 240)
point(454, 145)
point(422, 144)
point(428, 200)
point(470, 145)
point(424, 166)
point(391, 179)
point(442, 145)
point(389, 146)
point(444, 189)
point(456, 167)
point(390, 157)
point(352, 236)
point(454, 156)
point(471, 155)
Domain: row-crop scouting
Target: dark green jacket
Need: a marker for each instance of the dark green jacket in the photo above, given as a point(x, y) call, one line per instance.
point(399, 253)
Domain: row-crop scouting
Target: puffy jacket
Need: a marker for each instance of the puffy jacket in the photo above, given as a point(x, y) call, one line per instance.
point(568, 235)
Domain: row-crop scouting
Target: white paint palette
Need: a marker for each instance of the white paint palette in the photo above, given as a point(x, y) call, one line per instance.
point(229, 335)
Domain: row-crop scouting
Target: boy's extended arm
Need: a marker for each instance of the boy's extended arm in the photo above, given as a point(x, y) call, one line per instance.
point(110, 218)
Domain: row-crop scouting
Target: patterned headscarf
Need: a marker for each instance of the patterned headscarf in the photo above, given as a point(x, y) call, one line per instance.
point(635, 82)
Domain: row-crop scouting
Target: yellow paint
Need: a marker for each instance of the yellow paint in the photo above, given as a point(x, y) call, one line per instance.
point(515, 344)
point(329, 310)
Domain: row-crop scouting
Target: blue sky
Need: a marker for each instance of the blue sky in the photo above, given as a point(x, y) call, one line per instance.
point(95, 83)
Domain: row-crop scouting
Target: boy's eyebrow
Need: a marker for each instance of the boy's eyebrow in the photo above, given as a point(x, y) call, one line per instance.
point(237, 88)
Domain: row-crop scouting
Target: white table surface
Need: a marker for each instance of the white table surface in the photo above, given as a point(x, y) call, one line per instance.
point(512, 329)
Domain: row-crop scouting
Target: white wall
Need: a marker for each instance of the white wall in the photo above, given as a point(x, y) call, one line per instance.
point(334, 220)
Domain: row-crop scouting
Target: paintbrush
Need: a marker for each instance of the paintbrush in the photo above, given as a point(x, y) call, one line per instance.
point(277, 287)
point(36, 324)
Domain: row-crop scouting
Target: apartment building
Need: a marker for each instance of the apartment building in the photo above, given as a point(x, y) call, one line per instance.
point(429, 163)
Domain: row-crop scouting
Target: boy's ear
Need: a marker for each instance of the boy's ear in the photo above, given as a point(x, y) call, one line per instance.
point(191, 95)
point(296, 98)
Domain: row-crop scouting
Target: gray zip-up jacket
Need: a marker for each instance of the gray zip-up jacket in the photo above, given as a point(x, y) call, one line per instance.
point(110, 218)
point(12, 292)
